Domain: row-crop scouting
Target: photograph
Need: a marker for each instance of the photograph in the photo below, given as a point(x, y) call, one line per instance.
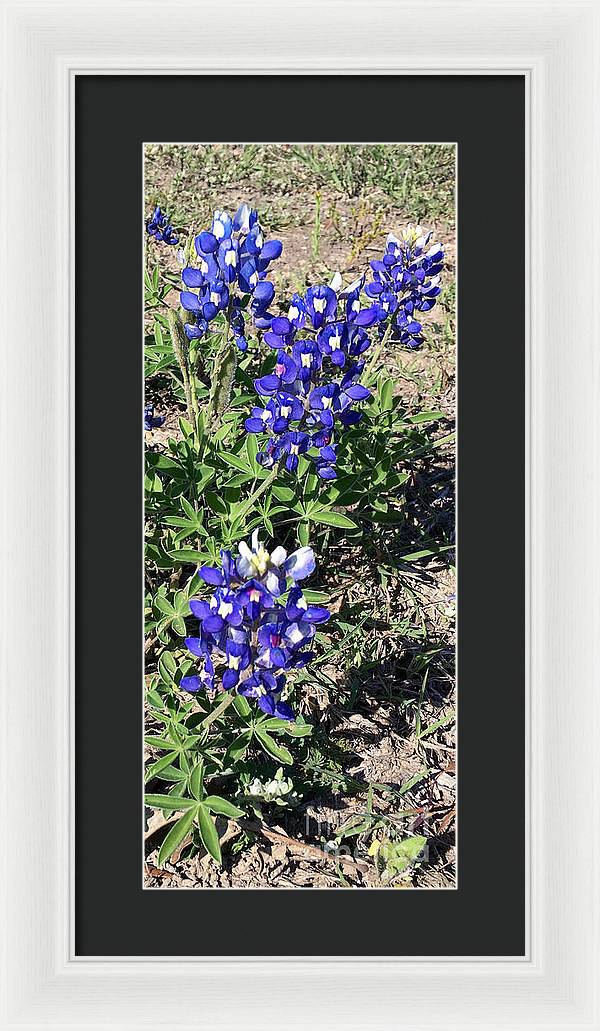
point(299, 527)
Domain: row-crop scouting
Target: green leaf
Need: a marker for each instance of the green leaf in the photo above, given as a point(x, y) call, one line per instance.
point(424, 417)
point(303, 534)
point(385, 395)
point(426, 553)
point(242, 706)
point(155, 700)
point(188, 555)
point(179, 626)
point(171, 802)
point(316, 597)
point(174, 776)
point(287, 727)
point(167, 668)
point(239, 745)
point(272, 748)
point(415, 779)
point(398, 855)
point(159, 742)
point(197, 780)
point(235, 461)
point(163, 605)
point(208, 833)
point(333, 519)
point(216, 503)
point(283, 493)
point(220, 805)
point(251, 449)
point(160, 764)
point(178, 832)
point(188, 509)
point(180, 521)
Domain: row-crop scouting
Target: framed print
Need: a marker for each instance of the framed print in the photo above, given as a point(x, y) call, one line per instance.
point(307, 842)
point(329, 819)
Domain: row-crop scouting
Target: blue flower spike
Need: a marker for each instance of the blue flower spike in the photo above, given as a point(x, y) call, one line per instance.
point(321, 341)
point(232, 263)
point(159, 228)
point(248, 637)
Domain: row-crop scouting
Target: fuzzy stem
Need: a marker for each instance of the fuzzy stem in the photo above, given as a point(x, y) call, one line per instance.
point(214, 715)
point(179, 344)
point(377, 351)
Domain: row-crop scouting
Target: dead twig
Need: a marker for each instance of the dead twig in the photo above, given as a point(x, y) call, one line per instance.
point(294, 845)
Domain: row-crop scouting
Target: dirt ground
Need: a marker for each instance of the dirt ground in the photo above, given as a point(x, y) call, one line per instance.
point(395, 730)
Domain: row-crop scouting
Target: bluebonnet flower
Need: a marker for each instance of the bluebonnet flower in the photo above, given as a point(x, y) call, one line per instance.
point(406, 281)
point(320, 343)
point(266, 689)
point(248, 637)
point(233, 260)
point(320, 303)
point(158, 227)
point(151, 421)
point(280, 410)
point(305, 401)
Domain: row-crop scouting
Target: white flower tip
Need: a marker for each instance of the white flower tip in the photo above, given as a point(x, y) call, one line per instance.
point(336, 281)
point(278, 556)
point(244, 551)
point(352, 286)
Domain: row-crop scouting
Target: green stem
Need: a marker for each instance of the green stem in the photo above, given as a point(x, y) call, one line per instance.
point(214, 715)
point(378, 349)
point(257, 493)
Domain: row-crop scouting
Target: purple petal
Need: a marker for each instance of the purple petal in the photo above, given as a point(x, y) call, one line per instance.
point(191, 684)
point(207, 242)
point(189, 301)
point(271, 250)
point(254, 425)
point(196, 646)
point(211, 575)
point(266, 384)
point(366, 317)
point(300, 564)
point(281, 325)
point(213, 624)
point(357, 392)
point(317, 614)
point(266, 703)
point(284, 711)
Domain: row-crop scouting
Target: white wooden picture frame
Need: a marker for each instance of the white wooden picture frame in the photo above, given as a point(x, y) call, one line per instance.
point(555, 44)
